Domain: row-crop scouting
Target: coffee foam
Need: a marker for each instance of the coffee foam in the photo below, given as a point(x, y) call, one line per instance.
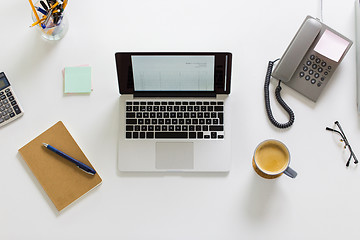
point(272, 157)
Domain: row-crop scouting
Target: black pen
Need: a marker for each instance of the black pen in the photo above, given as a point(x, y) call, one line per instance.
point(44, 5)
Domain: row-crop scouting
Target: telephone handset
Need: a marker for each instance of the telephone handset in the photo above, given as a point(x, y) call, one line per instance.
point(307, 64)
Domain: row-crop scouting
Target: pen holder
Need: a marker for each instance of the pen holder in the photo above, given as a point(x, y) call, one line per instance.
point(52, 31)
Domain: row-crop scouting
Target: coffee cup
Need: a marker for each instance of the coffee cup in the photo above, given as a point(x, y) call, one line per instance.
point(271, 159)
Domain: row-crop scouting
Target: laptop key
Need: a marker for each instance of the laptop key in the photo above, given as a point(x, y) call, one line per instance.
point(131, 121)
point(219, 108)
point(213, 135)
point(221, 118)
point(128, 134)
point(130, 115)
point(171, 135)
point(150, 135)
point(216, 128)
point(135, 135)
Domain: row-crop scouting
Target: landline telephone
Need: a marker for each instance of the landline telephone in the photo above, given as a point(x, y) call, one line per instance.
point(307, 64)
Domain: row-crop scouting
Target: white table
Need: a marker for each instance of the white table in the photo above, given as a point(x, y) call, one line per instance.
point(321, 203)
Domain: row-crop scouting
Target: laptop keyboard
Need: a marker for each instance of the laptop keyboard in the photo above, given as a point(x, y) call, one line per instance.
point(174, 119)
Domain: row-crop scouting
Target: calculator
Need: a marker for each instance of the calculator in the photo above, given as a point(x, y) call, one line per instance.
point(10, 108)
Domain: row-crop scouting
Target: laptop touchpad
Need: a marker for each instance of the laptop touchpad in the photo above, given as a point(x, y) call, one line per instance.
point(174, 155)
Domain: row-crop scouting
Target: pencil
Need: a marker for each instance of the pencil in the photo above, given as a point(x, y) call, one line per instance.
point(35, 13)
point(64, 4)
point(37, 22)
point(54, 6)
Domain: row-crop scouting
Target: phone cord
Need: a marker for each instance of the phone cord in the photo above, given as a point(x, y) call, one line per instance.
point(278, 98)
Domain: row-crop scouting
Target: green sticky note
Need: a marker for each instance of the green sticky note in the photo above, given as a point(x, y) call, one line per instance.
point(77, 80)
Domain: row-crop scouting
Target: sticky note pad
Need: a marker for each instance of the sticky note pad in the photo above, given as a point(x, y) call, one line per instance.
point(331, 45)
point(77, 79)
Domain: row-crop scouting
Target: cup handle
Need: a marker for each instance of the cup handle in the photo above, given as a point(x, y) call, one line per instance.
point(290, 172)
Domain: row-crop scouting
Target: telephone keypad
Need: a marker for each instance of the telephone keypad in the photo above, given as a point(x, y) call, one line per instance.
point(315, 69)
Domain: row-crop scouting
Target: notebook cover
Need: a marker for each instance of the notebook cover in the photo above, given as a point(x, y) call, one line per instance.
point(62, 180)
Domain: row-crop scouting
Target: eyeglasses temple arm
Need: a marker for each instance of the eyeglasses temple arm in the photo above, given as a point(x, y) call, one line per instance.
point(342, 135)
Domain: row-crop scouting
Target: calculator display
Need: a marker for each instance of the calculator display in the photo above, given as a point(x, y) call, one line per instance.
point(3, 83)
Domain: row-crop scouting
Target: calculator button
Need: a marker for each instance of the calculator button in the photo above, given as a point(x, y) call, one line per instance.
point(17, 109)
point(9, 94)
point(1, 120)
point(12, 114)
point(313, 81)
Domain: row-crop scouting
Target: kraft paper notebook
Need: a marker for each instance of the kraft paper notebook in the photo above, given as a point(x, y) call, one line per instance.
point(62, 180)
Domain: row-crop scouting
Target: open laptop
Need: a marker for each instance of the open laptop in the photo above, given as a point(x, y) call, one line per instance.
point(173, 111)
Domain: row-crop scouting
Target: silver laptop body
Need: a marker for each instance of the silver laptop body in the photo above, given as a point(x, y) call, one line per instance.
point(163, 152)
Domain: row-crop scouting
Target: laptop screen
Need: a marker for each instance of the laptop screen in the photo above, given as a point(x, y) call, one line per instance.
point(173, 73)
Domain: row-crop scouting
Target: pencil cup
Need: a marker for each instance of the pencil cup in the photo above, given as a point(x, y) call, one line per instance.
point(52, 31)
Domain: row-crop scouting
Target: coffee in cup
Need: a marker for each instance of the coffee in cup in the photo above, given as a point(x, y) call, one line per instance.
point(271, 159)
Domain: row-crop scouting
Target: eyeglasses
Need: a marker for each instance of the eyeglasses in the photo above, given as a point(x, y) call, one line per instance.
point(344, 139)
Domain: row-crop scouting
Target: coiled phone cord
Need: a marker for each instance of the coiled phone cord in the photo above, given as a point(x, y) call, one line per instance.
point(278, 98)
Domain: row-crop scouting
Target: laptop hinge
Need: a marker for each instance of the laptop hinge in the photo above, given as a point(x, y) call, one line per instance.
point(174, 94)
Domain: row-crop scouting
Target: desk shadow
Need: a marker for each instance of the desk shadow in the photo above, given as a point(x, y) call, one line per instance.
point(35, 55)
point(260, 197)
point(44, 194)
point(37, 184)
point(172, 174)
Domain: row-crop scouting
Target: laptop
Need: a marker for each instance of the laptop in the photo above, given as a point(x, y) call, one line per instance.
point(174, 115)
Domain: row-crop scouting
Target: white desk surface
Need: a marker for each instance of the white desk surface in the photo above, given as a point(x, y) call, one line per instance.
point(321, 203)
